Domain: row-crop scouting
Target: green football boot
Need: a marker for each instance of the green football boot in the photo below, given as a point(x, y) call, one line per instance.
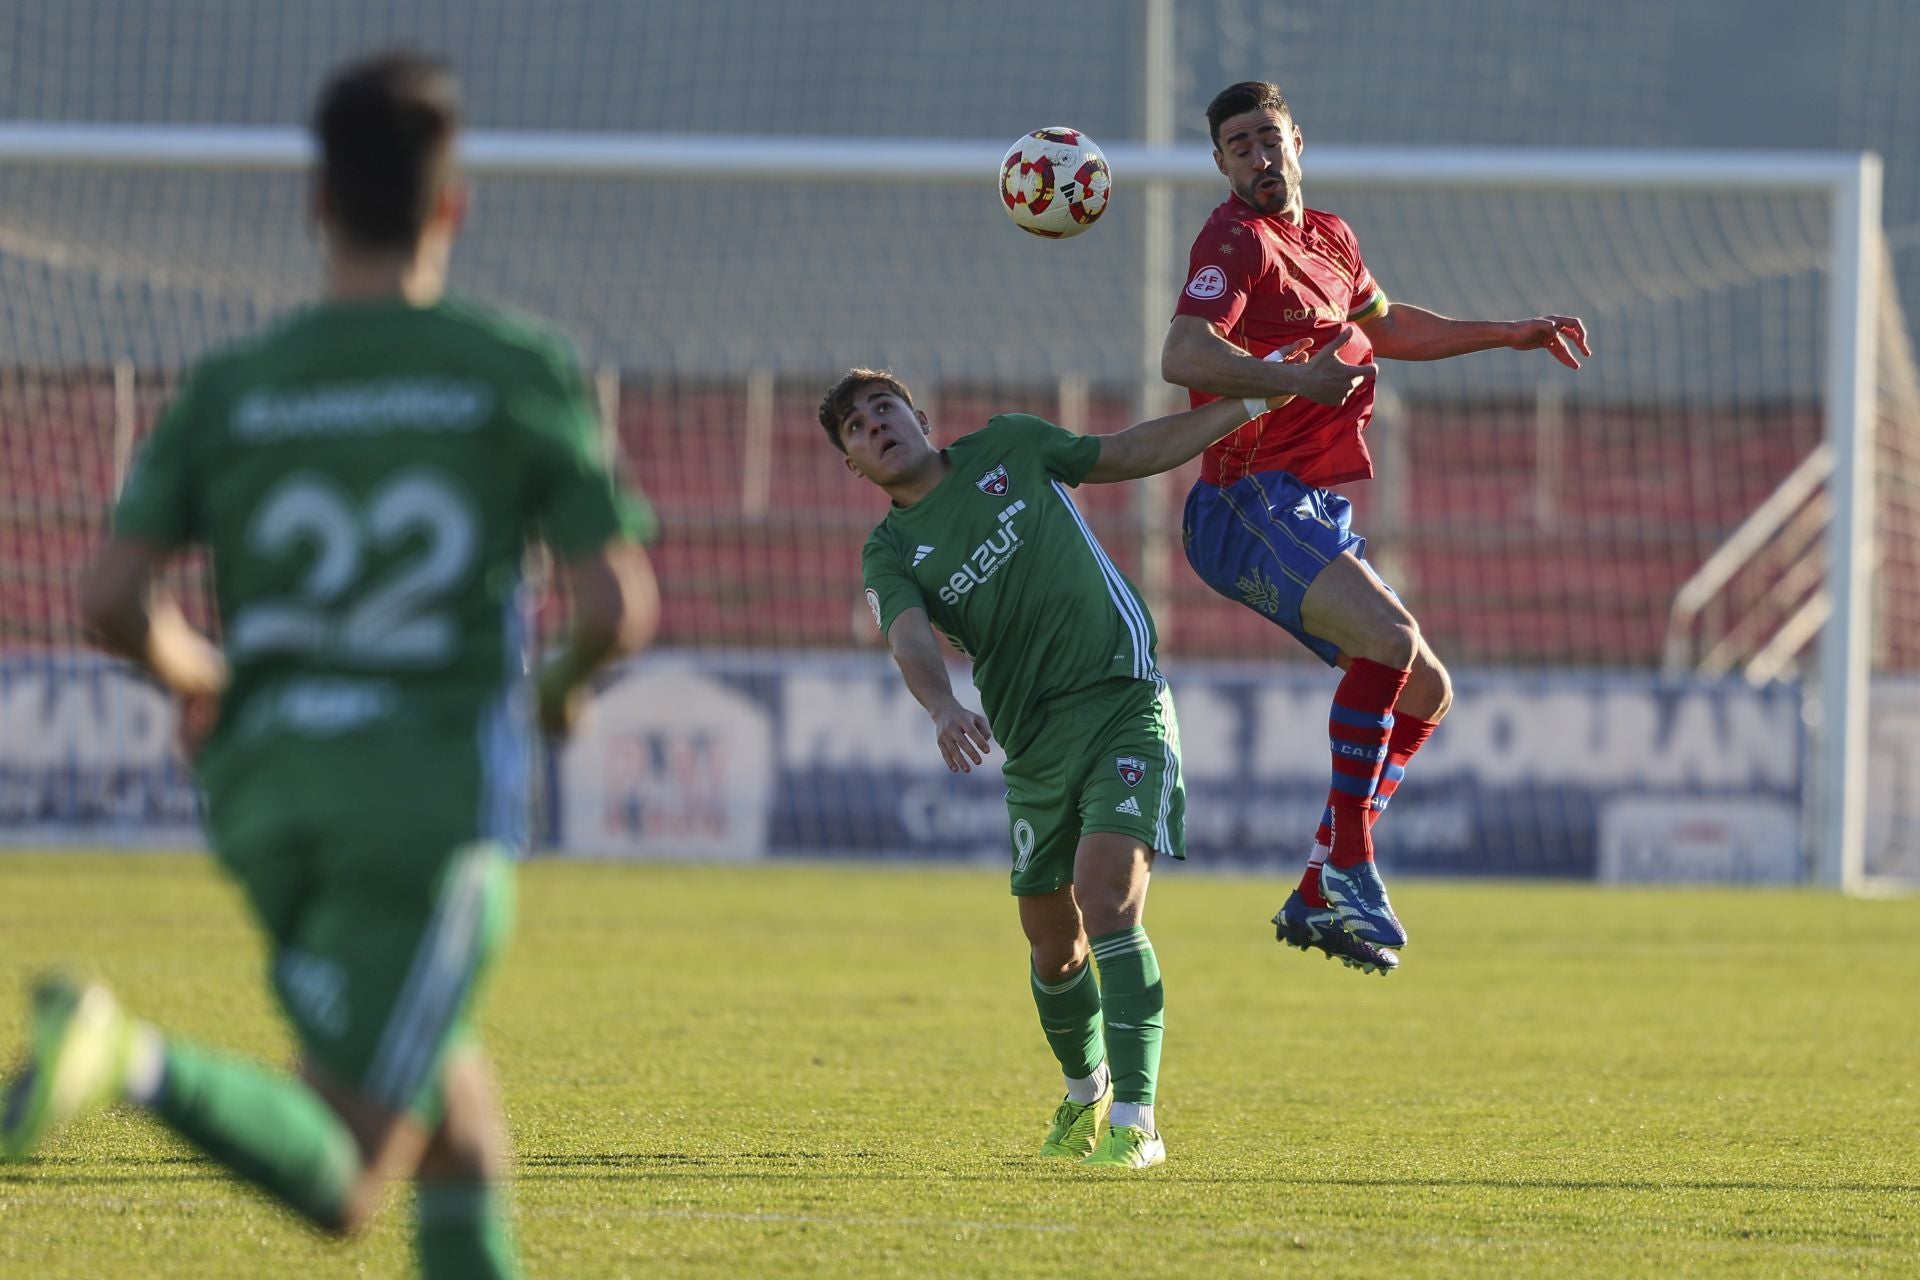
point(1129, 1147)
point(80, 1045)
point(1076, 1127)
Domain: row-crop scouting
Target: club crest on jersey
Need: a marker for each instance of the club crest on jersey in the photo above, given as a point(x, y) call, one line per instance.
point(994, 482)
point(1208, 282)
point(1132, 769)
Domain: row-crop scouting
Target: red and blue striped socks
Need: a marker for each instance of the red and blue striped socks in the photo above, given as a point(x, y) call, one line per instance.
point(1358, 730)
point(1409, 734)
point(1406, 736)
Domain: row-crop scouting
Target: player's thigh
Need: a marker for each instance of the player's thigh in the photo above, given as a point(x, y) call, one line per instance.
point(1129, 782)
point(1111, 872)
point(1264, 541)
point(1349, 606)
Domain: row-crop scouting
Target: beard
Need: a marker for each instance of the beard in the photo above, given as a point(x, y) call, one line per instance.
point(1271, 199)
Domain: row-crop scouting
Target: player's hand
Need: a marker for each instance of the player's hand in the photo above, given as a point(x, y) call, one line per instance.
point(1296, 353)
point(1558, 334)
point(1327, 379)
point(964, 737)
point(199, 713)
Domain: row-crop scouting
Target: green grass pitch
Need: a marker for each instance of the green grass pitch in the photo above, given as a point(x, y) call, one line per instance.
point(835, 1070)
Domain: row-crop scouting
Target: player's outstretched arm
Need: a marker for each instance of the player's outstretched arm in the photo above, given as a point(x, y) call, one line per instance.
point(126, 615)
point(1414, 333)
point(1161, 444)
point(1196, 355)
point(616, 610)
point(963, 734)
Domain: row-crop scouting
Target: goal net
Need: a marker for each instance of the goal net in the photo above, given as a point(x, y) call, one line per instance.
point(1629, 568)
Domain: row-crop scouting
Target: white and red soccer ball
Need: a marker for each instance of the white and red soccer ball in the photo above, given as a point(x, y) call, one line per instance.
point(1054, 182)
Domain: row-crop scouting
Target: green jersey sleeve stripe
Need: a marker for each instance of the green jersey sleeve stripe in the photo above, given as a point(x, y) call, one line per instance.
point(1122, 596)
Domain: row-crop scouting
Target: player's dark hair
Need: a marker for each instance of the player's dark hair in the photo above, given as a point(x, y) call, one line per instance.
point(1238, 99)
point(838, 402)
point(386, 126)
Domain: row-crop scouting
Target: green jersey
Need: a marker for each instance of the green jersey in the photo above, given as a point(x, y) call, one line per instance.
point(366, 476)
point(1008, 569)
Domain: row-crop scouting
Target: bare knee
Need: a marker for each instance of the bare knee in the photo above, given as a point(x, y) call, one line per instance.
point(468, 1145)
point(389, 1144)
point(357, 1209)
point(1051, 922)
point(1391, 641)
point(1429, 692)
point(364, 1194)
point(1057, 960)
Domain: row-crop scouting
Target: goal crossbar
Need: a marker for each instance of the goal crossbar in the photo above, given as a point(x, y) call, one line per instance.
point(575, 154)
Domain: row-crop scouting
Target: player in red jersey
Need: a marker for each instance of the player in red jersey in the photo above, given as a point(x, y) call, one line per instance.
point(1262, 526)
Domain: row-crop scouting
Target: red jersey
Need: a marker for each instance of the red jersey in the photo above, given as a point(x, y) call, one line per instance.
point(1267, 283)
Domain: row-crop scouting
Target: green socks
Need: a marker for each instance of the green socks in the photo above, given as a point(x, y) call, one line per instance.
point(1116, 1017)
point(1133, 1007)
point(464, 1232)
point(267, 1128)
point(276, 1133)
point(1070, 1015)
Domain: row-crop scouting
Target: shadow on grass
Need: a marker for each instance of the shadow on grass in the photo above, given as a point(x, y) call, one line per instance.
point(644, 1160)
point(82, 1162)
point(614, 1166)
point(880, 1166)
point(94, 1171)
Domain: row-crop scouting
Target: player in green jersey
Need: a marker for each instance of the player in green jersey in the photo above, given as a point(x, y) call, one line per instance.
point(367, 476)
point(983, 541)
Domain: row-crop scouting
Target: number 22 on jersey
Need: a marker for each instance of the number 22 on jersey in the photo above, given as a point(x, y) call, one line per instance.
point(402, 617)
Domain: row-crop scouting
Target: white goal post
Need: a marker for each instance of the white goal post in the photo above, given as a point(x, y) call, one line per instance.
point(1850, 185)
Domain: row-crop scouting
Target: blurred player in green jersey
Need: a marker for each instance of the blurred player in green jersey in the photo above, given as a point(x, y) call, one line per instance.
point(983, 541)
point(367, 476)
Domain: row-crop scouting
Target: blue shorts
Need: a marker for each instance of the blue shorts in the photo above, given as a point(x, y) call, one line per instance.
point(1263, 539)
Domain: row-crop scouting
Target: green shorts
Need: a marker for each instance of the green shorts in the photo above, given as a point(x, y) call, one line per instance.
point(383, 896)
point(1107, 762)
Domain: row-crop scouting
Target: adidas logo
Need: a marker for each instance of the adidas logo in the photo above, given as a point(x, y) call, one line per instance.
point(921, 553)
point(1130, 806)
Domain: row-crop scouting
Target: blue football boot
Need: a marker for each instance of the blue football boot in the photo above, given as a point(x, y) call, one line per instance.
point(1310, 928)
point(1360, 897)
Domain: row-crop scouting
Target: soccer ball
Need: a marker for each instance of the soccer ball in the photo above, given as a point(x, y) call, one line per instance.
point(1054, 182)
